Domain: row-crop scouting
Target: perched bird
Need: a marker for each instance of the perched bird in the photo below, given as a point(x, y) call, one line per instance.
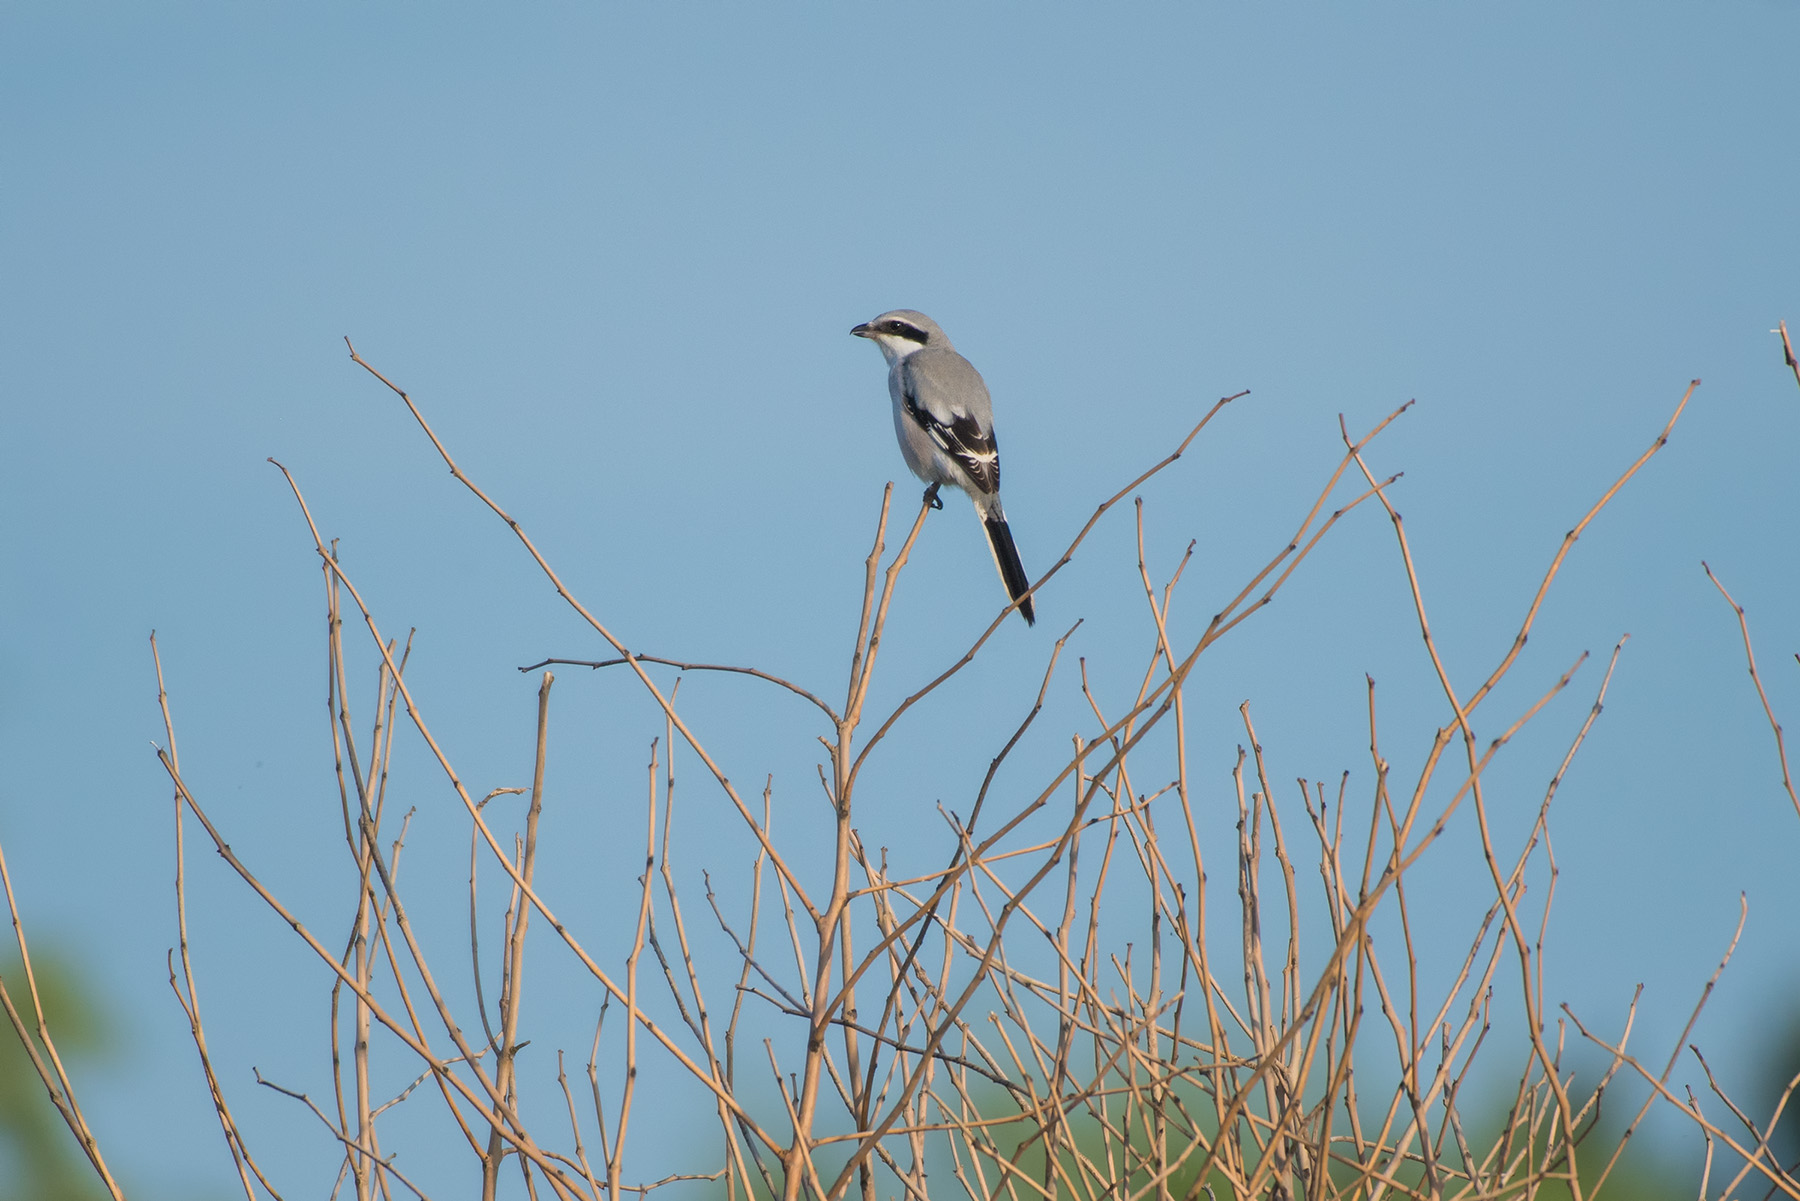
point(945, 423)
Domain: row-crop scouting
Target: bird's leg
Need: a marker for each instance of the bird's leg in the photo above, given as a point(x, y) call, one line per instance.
point(931, 497)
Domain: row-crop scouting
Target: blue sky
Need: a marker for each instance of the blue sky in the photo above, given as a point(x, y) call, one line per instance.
point(615, 254)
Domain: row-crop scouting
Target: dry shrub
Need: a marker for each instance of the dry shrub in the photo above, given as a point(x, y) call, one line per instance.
point(978, 1029)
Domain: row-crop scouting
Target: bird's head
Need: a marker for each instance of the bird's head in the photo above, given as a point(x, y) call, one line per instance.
point(901, 332)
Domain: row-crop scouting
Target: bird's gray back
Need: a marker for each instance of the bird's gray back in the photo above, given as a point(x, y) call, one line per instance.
point(945, 383)
point(943, 416)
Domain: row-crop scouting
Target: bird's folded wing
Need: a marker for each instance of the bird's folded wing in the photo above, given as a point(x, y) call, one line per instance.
point(966, 437)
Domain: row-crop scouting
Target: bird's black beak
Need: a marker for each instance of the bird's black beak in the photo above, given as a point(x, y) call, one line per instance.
point(863, 330)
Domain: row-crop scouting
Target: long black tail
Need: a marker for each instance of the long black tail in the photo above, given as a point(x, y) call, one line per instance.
point(1006, 558)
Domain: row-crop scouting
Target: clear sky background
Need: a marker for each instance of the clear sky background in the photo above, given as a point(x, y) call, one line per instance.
point(615, 252)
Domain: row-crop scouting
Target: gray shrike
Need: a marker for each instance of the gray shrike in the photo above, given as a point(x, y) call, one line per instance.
point(945, 422)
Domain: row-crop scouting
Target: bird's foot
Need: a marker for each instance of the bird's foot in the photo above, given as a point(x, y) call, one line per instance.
point(932, 498)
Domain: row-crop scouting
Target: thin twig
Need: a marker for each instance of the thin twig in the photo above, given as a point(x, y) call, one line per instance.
point(1787, 352)
point(597, 664)
point(1787, 781)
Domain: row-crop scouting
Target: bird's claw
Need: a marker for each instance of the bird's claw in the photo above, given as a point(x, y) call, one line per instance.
point(932, 498)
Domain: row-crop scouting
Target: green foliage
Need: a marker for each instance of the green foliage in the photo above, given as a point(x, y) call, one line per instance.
point(1779, 1070)
point(41, 1159)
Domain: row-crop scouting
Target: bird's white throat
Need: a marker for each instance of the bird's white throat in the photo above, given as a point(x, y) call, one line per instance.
point(893, 349)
